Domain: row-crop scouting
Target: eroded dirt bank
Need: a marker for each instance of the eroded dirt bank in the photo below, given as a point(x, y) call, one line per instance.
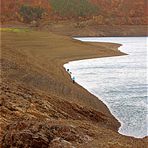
point(41, 107)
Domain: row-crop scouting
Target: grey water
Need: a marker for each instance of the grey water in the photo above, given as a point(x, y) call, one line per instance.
point(120, 82)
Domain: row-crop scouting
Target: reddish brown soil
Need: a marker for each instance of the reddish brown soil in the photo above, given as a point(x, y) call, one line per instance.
point(41, 107)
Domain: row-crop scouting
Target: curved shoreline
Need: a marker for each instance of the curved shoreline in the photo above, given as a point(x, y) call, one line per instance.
point(93, 57)
point(77, 66)
point(89, 57)
point(97, 96)
point(36, 85)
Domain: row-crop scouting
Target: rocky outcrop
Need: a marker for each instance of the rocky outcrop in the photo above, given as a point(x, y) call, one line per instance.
point(37, 134)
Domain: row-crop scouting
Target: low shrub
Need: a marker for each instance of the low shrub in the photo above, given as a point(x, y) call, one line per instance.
point(29, 13)
point(73, 8)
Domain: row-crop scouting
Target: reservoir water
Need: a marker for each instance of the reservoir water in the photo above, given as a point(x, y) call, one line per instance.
point(120, 82)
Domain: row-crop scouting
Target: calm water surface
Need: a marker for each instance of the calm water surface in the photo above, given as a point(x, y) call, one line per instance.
point(120, 82)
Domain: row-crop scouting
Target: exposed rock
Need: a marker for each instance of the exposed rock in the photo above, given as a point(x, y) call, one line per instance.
point(36, 134)
point(58, 143)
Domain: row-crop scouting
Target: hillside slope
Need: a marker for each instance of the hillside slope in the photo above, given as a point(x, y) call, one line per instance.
point(41, 107)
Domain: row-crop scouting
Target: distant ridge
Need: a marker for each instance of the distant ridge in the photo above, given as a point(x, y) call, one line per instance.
point(103, 12)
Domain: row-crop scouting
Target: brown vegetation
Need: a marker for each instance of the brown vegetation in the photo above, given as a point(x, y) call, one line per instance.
point(102, 12)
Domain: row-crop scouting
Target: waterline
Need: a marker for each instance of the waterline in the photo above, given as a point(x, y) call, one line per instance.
point(120, 82)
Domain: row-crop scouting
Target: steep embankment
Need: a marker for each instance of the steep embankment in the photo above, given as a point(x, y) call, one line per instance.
point(41, 107)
